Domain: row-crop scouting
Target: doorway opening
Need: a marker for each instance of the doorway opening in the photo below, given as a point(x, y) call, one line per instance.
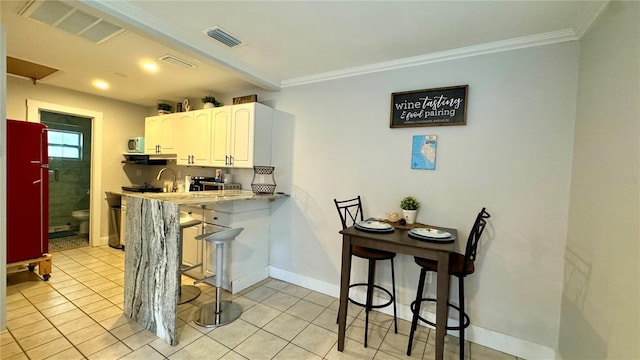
point(69, 179)
point(65, 144)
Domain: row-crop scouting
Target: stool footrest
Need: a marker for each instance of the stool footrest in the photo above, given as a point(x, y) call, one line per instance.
point(464, 324)
point(211, 280)
point(379, 306)
point(184, 268)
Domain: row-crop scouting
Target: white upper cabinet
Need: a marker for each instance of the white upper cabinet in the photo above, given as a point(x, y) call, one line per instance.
point(221, 127)
point(159, 134)
point(194, 137)
point(228, 136)
point(242, 136)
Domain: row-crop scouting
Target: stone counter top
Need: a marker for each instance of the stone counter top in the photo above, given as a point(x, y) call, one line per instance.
point(196, 198)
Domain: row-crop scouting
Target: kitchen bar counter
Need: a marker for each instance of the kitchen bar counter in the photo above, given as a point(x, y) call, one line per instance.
point(153, 253)
point(196, 198)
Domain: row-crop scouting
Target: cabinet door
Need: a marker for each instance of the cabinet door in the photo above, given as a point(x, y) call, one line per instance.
point(221, 129)
point(242, 135)
point(152, 134)
point(183, 148)
point(191, 246)
point(167, 140)
point(160, 131)
point(199, 137)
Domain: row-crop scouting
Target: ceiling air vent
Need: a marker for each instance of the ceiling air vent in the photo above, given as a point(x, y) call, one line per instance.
point(176, 61)
point(221, 35)
point(71, 20)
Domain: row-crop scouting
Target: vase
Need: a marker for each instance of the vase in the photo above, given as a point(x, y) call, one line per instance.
point(409, 216)
point(207, 105)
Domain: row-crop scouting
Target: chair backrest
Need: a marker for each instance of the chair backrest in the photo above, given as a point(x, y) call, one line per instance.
point(221, 235)
point(350, 211)
point(474, 236)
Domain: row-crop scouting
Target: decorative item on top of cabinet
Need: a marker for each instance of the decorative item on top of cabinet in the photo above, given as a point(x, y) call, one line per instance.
point(241, 135)
point(164, 108)
point(245, 99)
point(210, 101)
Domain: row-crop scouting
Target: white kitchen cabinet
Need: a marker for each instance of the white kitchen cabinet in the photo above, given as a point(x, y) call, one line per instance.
point(159, 134)
point(191, 248)
point(242, 136)
point(193, 138)
point(246, 259)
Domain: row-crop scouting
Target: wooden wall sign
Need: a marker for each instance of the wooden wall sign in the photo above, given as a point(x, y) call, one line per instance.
point(430, 107)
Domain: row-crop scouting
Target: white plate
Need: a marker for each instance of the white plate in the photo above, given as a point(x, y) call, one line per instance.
point(430, 233)
point(374, 225)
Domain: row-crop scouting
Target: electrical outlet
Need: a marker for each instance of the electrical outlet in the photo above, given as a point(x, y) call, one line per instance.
point(138, 172)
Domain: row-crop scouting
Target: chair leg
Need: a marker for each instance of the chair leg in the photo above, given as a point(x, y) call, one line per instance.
point(461, 314)
point(393, 288)
point(369, 300)
point(416, 311)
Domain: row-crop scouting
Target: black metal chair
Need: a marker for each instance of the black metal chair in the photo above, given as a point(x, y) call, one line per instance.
point(459, 266)
point(351, 212)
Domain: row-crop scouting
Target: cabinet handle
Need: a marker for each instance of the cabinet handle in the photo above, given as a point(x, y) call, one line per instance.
point(230, 160)
point(226, 160)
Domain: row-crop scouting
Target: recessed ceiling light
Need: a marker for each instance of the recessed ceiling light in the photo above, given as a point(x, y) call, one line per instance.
point(100, 84)
point(150, 67)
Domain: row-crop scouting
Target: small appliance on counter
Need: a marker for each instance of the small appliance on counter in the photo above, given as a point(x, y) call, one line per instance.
point(196, 182)
point(135, 144)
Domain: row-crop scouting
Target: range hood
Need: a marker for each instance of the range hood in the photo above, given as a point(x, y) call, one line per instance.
point(145, 159)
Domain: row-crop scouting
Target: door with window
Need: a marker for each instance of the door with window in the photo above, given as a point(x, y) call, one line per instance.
point(69, 170)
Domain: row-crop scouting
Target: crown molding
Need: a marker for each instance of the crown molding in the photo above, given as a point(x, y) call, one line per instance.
point(590, 17)
point(464, 52)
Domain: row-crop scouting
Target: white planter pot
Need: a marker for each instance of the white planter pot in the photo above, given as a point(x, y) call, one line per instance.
point(409, 216)
point(207, 106)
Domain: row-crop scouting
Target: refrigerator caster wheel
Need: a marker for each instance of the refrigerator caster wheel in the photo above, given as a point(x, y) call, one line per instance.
point(31, 267)
point(46, 277)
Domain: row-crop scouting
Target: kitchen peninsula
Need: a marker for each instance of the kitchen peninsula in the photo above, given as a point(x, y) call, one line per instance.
point(153, 249)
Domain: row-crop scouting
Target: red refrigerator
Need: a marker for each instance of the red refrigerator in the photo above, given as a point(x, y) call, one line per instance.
point(27, 191)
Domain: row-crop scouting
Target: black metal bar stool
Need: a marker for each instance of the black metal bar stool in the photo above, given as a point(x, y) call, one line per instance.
point(220, 312)
point(187, 292)
point(351, 212)
point(459, 266)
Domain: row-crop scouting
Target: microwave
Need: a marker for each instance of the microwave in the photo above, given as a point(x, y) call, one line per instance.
point(135, 145)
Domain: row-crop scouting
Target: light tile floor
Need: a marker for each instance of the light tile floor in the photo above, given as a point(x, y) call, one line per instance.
point(77, 314)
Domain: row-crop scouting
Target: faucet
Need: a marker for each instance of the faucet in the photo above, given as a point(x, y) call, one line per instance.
point(173, 184)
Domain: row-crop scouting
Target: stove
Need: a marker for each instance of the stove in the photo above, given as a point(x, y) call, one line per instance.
point(141, 188)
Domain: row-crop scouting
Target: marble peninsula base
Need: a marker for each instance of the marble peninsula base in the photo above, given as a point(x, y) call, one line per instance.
point(152, 260)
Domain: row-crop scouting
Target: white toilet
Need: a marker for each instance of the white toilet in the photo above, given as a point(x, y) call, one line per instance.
point(83, 217)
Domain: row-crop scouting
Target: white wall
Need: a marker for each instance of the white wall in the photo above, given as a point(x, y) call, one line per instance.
point(120, 121)
point(601, 300)
point(514, 157)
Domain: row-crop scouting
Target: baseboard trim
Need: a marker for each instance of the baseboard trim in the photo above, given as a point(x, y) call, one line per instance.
point(478, 335)
point(244, 282)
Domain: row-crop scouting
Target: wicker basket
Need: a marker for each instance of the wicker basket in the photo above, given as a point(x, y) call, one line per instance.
point(263, 188)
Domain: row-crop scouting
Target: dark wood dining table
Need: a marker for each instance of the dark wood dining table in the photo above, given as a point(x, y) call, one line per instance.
point(399, 242)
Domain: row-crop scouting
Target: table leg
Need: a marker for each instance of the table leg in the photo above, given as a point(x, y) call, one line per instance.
point(442, 298)
point(344, 290)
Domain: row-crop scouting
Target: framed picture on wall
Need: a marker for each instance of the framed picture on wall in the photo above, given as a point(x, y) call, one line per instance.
point(429, 107)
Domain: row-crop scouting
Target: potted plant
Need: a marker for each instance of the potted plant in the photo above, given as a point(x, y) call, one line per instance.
point(209, 101)
point(164, 108)
point(409, 206)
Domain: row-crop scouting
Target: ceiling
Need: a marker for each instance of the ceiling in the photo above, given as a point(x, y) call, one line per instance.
point(283, 43)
